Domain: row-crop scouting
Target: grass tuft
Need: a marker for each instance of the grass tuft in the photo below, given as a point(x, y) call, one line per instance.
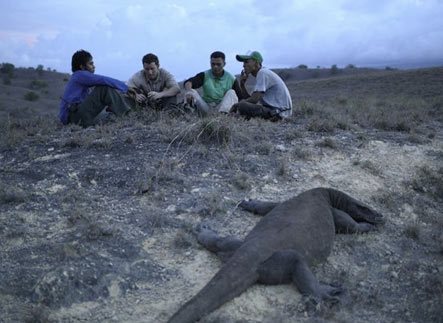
point(241, 181)
point(12, 195)
point(31, 96)
point(429, 181)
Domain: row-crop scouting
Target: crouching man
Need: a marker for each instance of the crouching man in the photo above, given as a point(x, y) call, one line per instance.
point(270, 98)
point(220, 88)
point(154, 86)
point(81, 104)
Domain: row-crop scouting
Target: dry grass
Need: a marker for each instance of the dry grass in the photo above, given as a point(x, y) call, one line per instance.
point(10, 195)
point(241, 180)
point(429, 181)
point(185, 169)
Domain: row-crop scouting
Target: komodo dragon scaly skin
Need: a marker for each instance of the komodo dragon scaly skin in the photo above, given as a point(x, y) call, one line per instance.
point(290, 237)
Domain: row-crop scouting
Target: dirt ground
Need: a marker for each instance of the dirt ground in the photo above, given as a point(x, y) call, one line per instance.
point(96, 224)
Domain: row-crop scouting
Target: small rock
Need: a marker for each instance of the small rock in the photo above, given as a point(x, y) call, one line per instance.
point(394, 274)
point(171, 208)
point(281, 148)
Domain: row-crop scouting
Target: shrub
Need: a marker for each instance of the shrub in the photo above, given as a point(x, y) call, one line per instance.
point(7, 68)
point(39, 69)
point(35, 84)
point(302, 66)
point(31, 96)
point(429, 181)
point(7, 80)
point(320, 124)
point(315, 74)
point(241, 180)
point(334, 69)
point(301, 153)
point(214, 131)
point(327, 143)
point(350, 66)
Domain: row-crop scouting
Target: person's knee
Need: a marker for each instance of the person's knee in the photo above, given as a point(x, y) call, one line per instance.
point(230, 92)
point(191, 92)
point(102, 88)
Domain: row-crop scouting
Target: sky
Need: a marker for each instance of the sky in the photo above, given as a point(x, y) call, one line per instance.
point(183, 34)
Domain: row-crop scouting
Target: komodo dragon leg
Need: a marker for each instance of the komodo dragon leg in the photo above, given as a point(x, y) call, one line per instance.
point(287, 266)
point(258, 207)
point(223, 247)
point(344, 223)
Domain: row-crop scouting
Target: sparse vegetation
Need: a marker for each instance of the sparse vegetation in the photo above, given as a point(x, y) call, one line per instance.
point(370, 167)
point(110, 210)
point(282, 167)
point(413, 231)
point(31, 96)
point(328, 143)
point(7, 80)
point(40, 69)
point(334, 69)
point(301, 153)
point(12, 195)
point(213, 205)
point(429, 181)
point(242, 181)
point(37, 85)
point(213, 131)
point(7, 68)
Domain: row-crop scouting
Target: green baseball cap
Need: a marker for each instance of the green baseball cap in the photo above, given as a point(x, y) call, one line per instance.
point(250, 55)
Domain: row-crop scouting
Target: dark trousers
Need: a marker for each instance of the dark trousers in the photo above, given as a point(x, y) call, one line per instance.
point(252, 110)
point(89, 111)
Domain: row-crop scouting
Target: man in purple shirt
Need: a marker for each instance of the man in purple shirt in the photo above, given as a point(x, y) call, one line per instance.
point(82, 105)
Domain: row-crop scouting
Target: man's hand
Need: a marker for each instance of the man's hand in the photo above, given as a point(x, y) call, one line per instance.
point(155, 95)
point(243, 76)
point(190, 99)
point(140, 98)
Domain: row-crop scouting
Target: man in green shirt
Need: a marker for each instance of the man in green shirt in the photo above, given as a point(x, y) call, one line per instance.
point(220, 89)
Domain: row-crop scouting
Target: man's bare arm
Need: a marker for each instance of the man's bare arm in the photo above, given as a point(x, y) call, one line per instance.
point(255, 97)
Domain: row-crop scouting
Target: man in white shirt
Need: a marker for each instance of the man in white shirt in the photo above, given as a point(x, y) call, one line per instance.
point(270, 98)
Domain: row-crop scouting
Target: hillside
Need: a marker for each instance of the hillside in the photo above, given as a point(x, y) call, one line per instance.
point(97, 224)
point(46, 86)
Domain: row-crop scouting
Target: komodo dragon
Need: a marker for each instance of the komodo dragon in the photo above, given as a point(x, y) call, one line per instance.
point(291, 236)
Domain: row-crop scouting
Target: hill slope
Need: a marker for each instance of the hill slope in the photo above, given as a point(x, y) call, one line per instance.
point(96, 224)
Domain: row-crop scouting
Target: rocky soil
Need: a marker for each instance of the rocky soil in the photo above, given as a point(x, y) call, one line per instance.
point(96, 224)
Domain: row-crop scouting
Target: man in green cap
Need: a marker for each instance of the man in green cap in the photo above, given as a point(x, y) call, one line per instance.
point(270, 98)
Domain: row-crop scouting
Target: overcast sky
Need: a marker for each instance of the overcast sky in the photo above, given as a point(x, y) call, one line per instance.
point(184, 33)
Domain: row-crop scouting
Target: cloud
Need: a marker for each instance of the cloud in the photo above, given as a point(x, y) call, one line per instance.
point(288, 33)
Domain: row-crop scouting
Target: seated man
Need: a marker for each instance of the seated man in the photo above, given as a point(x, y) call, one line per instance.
point(270, 98)
point(83, 106)
point(220, 88)
point(154, 86)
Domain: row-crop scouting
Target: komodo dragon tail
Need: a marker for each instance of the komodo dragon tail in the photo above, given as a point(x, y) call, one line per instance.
point(232, 279)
